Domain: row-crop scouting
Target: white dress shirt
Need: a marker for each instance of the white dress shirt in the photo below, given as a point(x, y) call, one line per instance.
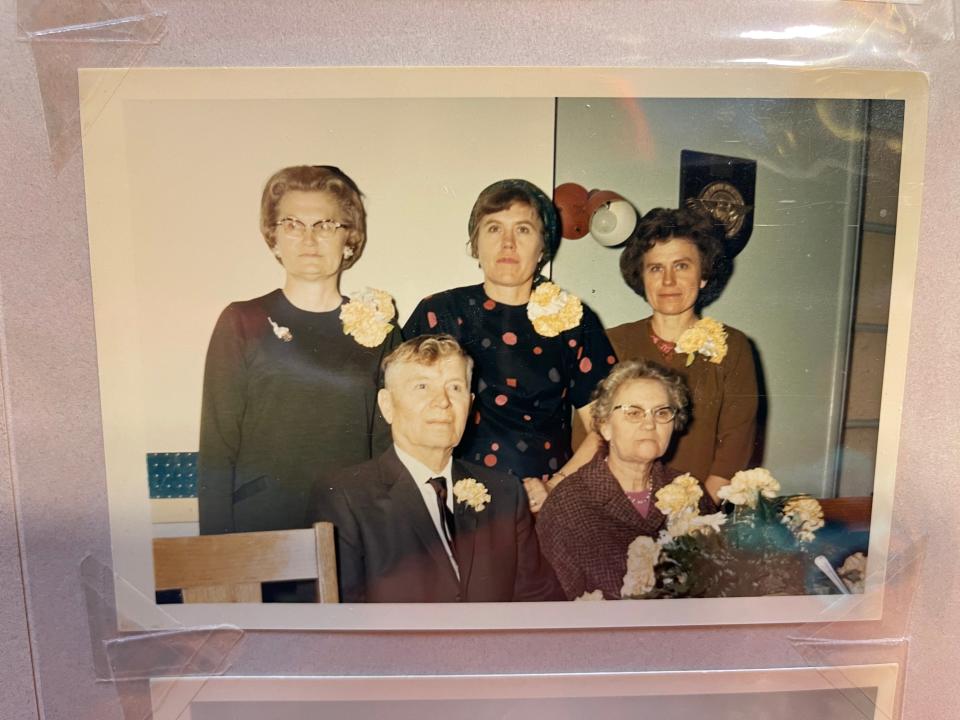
point(421, 475)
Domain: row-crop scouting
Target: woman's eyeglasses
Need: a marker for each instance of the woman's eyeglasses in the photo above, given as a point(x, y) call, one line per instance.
point(636, 414)
point(296, 229)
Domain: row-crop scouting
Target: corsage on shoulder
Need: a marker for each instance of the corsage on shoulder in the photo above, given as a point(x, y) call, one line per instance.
point(707, 337)
point(367, 316)
point(552, 310)
point(471, 492)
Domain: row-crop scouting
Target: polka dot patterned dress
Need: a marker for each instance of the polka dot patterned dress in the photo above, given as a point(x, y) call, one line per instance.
point(525, 384)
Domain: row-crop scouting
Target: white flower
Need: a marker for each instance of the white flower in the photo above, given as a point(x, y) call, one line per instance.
point(590, 596)
point(682, 523)
point(804, 516)
point(705, 524)
point(472, 493)
point(747, 485)
point(853, 572)
point(280, 331)
point(552, 310)
point(691, 522)
point(683, 493)
point(707, 337)
point(367, 316)
point(642, 557)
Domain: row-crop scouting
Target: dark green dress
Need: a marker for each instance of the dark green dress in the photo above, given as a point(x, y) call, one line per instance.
point(280, 410)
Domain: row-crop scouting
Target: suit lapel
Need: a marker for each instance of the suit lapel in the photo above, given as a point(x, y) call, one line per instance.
point(406, 496)
point(465, 520)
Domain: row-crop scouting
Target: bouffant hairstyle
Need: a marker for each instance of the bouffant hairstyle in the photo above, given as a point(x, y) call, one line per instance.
point(425, 350)
point(624, 372)
point(693, 223)
point(316, 178)
point(504, 193)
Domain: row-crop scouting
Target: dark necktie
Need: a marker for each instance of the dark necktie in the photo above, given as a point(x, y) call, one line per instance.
point(439, 484)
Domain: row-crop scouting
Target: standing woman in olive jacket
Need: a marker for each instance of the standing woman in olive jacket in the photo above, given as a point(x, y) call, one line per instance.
point(290, 382)
point(672, 262)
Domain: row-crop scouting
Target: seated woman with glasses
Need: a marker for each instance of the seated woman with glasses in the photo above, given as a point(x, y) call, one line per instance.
point(290, 383)
point(589, 520)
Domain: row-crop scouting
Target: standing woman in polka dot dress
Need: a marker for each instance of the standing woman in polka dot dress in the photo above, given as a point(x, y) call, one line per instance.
point(538, 351)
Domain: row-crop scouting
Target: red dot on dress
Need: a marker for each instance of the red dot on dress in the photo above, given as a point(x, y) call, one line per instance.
point(500, 400)
point(527, 418)
point(511, 382)
point(490, 460)
point(571, 342)
point(459, 321)
point(546, 445)
point(476, 418)
point(538, 350)
point(509, 338)
point(611, 360)
point(489, 305)
point(432, 319)
point(494, 446)
point(585, 365)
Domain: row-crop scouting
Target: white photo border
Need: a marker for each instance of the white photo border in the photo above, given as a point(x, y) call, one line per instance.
point(175, 697)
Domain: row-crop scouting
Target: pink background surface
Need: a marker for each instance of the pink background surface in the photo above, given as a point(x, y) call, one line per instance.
point(53, 508)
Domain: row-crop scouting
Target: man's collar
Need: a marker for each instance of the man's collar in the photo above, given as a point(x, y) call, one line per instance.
point(419, 471)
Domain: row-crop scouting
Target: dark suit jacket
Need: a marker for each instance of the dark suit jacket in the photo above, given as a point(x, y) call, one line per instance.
point(388, 549)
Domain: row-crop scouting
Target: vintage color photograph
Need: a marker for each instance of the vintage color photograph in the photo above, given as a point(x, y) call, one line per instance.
point(458, 348)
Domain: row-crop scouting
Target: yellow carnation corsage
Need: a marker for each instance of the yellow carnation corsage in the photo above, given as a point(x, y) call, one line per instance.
point(367, 316)
point(552, 310)
point(472, 493)
point(707, 337)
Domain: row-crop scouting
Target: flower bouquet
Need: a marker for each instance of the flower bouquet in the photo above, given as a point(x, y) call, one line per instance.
point(760, 544)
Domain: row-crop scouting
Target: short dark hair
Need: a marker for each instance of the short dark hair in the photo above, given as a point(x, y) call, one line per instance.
point(504, 193)
point(660, 225)
point(316, 178)
point(628, 370)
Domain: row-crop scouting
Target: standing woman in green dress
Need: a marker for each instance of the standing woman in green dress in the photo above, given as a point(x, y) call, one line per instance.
point(290, 381)
point(672, 262)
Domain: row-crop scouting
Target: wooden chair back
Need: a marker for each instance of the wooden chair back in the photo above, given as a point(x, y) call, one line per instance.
point(230, 568)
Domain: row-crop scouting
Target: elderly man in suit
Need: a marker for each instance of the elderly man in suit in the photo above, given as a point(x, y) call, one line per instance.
point(414, 525)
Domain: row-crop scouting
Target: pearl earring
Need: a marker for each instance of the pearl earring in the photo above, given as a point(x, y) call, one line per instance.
point(347, 252)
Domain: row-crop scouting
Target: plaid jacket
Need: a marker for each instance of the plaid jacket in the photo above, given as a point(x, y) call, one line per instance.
point(587, 523)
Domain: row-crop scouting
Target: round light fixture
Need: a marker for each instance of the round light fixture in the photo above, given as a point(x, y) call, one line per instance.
point(612, 219)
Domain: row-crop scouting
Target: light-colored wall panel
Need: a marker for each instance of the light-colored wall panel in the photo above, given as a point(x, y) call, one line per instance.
point(858, 457)
point(873, 286)
point(866, 375)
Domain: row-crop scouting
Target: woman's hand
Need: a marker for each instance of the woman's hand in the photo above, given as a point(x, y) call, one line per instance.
point(536, 493)
point(713, 484)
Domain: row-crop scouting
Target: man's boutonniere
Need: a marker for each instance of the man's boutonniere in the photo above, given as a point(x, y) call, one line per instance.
point(707, 337)
point(552, 310)
point(367, 316)
point(472, 493)
point(280, 331)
